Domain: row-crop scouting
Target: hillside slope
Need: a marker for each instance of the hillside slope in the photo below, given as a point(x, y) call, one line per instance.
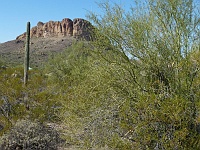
point(46, 39)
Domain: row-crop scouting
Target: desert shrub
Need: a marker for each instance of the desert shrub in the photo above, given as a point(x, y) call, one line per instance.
point(152, 74)
point(2, 62)
point(17, 101)
point(67, 72)
point(136, 85)
point(30, 135)
point(12, 106)
point(89, 97)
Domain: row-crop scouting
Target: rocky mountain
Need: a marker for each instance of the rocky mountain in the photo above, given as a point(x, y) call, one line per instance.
point(46, 39)
point(79, 28)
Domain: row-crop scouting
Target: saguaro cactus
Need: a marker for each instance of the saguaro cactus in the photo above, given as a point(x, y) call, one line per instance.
point(26, 57)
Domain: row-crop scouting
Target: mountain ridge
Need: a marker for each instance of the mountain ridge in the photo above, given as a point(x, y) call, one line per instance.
point(46, 39)
point(77, 28)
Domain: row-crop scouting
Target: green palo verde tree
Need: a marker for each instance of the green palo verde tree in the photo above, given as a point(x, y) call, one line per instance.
point(158, 81)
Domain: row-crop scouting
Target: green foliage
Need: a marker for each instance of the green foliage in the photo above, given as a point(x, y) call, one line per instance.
point(69, 64)
point(17, 101)
point(1, 62)
point(109, 100)
point(10, 95)
point(135, 86)
point(154, 75)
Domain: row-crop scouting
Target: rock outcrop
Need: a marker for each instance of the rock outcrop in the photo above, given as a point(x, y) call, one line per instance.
point(78, 28)
point(82, 28)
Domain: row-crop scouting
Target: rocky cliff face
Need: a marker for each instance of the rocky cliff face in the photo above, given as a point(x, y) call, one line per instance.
point(79, 28)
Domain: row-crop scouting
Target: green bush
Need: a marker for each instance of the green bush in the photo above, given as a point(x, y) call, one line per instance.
point(135, 86)
point(151, 72)
point(34, 101)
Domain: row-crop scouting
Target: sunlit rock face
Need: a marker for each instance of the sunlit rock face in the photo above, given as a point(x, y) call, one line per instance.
point(78, 28)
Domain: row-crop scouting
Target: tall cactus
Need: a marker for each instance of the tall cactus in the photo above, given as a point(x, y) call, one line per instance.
point(26, 57)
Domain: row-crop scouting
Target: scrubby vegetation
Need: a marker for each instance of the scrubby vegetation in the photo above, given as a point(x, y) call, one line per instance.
point(30, 135)
point(135, 86)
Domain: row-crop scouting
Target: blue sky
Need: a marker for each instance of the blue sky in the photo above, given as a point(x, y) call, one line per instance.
point(14, 14)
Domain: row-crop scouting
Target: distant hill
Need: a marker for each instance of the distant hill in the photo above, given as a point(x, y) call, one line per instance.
point(46, 39)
